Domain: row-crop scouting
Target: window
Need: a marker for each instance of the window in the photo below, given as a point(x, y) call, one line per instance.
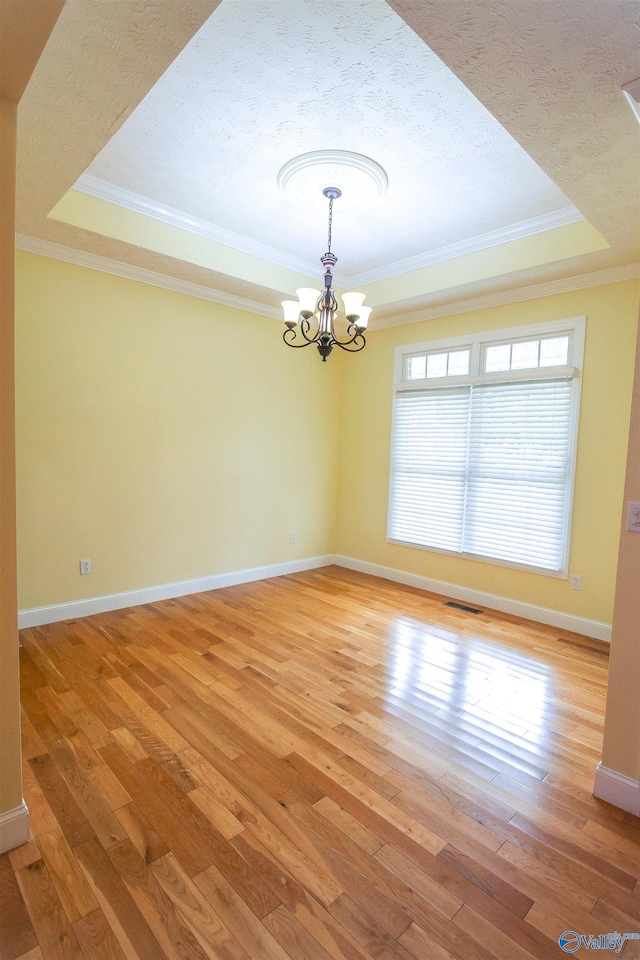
point(483, 447)
point(454, 363)
point(527, 354)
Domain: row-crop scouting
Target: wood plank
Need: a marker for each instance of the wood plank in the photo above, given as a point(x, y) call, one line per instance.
point(155, 810)
point(68, 879)
point(480, 930)
point(264, 817)
point(210, 840)
point(240, 920)
point(348, 824)
point(482, 878)
point(35, 954)
point(17, 935)
point(149, 715)
point(66, 810)
point(127, 922)
point(41, 816)
point(311, 915)
point(171, 932)
point(211, 932)
point(142, 834)
point(315, 766)
point(55, 934)
point(96, 938)
point(216, 813)
point(109, 787)
point(292, 935)
point(25, 854)
point(443, 945)
point(367, 931)
point(32, 745)
point(106, 826)
point(388, 892)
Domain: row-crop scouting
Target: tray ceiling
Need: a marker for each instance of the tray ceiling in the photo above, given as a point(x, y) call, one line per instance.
point(262, 82)
point(219, 104)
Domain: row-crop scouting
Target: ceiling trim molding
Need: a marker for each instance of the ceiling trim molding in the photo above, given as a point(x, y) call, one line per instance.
point(515, 231)
point(46, 248)
point(102, 190)
point(109, 192)
point(548, 288)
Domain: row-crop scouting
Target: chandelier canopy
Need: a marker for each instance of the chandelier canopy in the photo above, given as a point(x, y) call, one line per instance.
point(324, 306)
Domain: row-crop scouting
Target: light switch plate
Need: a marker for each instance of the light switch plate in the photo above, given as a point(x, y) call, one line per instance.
point(633, 517)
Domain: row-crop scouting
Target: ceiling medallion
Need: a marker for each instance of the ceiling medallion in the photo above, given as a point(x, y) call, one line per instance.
point(304, 179)
point(325, 307)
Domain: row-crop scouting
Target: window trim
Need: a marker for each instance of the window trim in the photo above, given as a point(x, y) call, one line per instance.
point(576, 328)
point(476, 343)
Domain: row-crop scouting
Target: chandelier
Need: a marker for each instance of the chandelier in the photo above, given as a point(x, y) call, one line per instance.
point(325, 307)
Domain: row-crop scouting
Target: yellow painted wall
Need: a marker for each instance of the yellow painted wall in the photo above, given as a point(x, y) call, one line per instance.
point(168, 438)
point(161, 436)
point(612, 313)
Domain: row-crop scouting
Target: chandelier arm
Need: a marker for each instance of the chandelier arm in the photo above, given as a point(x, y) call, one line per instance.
point(353, 336)
point(348, 345)
point(305, 326)
point(290, 343)
point(290, 335)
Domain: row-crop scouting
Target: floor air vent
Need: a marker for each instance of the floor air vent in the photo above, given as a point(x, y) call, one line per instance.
point(461, 606)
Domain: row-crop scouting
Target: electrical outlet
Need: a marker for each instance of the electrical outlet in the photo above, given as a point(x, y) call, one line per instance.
point(292, 538)
point(576, 582)
point(633, 517)
point(85, 567)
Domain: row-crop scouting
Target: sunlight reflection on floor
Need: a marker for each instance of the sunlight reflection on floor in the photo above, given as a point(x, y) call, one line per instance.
point(488, 690)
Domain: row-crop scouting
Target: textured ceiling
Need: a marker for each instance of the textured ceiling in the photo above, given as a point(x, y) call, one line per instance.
point(100, 61)
point(211, 136)
point(549, 72)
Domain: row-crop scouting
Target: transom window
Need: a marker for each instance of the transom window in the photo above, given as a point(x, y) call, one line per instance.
point(483, 445)
point(527, 354)
point(454, 363)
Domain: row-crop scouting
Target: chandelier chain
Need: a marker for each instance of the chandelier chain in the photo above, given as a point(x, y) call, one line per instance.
point(330, 223)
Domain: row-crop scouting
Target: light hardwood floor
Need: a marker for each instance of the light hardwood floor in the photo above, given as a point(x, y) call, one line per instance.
point(319, 766)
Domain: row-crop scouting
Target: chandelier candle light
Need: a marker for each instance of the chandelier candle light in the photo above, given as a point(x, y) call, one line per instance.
point(325, 306)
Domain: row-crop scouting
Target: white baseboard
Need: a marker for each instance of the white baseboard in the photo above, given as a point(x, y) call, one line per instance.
point(37, 616)
point(555, 618)
point(615, 788)
point(14, 828)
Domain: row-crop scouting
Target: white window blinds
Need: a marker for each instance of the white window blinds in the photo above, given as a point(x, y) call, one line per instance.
point(484, 470)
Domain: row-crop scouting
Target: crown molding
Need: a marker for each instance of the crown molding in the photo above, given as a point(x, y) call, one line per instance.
point(46, 248)
point(515, 231)
point(548, 288)
point(102, 190)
